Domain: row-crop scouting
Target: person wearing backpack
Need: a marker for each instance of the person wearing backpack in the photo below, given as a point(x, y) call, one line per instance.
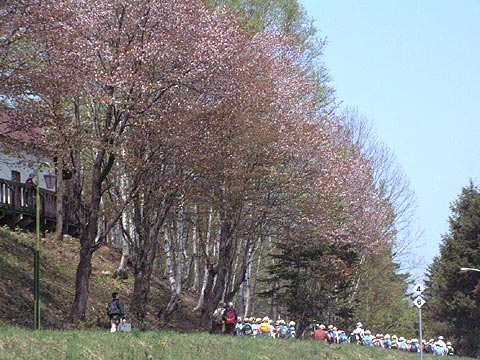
point(238, 330)
point(229, 318)
point(367, 338)
point(115, 312)
point(342, 337)
point(265, 328)
point(414, 346)
point(247, 329)
point(332, 334)
point(291, 330)
point(387, 344)
point(402, 344)
point(282, 330)
point(320, 334)
point(450, 349)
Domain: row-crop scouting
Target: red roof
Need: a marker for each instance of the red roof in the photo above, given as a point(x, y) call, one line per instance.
point(16, 131)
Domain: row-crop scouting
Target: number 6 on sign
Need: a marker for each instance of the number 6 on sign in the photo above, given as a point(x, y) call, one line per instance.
point(418, 302)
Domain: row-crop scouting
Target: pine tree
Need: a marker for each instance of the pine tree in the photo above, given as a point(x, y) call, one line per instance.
point(454, 298)
point(313, 281)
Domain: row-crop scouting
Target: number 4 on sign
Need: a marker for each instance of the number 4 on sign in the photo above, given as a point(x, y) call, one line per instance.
point(418, 289)
point(419, 301)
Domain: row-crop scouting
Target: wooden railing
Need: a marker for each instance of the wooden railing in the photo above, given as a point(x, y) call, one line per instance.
point(20, 199)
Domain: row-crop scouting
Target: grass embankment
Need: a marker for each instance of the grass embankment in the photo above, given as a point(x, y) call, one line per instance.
point(57, 276)
point(16, 343)
point(59, 260)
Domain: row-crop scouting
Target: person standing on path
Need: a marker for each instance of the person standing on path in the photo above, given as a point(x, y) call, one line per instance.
point(116, 312)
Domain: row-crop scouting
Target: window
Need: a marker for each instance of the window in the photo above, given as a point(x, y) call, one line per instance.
point(16, 176)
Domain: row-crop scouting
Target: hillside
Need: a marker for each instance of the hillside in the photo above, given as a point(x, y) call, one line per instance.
point(57, 285)
point(154, 345)
point(58, 266)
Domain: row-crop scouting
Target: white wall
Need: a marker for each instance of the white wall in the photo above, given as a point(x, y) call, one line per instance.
point(24, 163)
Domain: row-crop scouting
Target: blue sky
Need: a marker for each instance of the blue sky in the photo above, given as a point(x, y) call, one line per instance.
point(412, 68)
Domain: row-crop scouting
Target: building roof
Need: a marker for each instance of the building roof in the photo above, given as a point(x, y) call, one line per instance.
point(17, 133)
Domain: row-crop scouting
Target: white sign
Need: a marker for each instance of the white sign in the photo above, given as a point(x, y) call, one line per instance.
point(419, 301)
point(418, 289)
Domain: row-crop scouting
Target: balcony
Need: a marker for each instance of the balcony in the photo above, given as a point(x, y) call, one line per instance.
point(18, 207)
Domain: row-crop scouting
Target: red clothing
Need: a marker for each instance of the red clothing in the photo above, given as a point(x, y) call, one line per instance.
point(320, 334)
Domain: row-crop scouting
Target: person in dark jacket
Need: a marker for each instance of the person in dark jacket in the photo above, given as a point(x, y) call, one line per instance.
point(30, 191)
point(116, 312)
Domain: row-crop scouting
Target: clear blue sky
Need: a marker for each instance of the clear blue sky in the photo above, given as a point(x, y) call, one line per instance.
point(413, 69)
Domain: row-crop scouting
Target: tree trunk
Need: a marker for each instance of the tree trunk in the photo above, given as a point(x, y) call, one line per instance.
point(84, 270)
point(141, 287)
point(201, 299)
point(196, 268)
point(180, 253)
point(148, 223)
point(124, 259)
point(212, 298)
point(59, 201)
point(89, 242)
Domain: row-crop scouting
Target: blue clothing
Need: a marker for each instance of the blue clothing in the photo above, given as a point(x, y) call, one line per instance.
point(291, 332)
point(368, 340)
point(343, 338)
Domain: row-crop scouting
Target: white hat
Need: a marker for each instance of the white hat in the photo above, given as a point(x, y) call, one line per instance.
point(359, 324)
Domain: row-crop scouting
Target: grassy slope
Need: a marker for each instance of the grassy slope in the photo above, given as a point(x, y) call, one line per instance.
point(58, 266)
point(47, 344)
point(57, 285)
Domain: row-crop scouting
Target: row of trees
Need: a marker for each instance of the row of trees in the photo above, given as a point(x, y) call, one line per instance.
point(208, 140)
point(454, 297)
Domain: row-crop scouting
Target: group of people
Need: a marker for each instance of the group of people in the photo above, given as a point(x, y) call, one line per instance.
point(227, 321)
point(387, 341)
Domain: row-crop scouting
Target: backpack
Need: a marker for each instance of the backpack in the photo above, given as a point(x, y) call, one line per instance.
point(291, 332)
point(230, 317)
point(403, 346)
point(282, 331)
point(413, 347)
point(247, 329)
point(439, 350)
point(113, 308)
point(450, 351)
point(265, 328)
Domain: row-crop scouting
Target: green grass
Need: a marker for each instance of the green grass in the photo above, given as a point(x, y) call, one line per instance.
point(17, 343)
point(92, 339)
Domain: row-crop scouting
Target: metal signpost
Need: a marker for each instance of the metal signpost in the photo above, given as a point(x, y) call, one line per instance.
point(418, 302)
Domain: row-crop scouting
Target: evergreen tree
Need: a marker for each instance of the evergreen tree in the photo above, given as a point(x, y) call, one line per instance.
point(454, 298)
point(313, 281)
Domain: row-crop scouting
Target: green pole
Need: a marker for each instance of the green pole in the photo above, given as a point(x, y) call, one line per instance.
point(36, 262)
